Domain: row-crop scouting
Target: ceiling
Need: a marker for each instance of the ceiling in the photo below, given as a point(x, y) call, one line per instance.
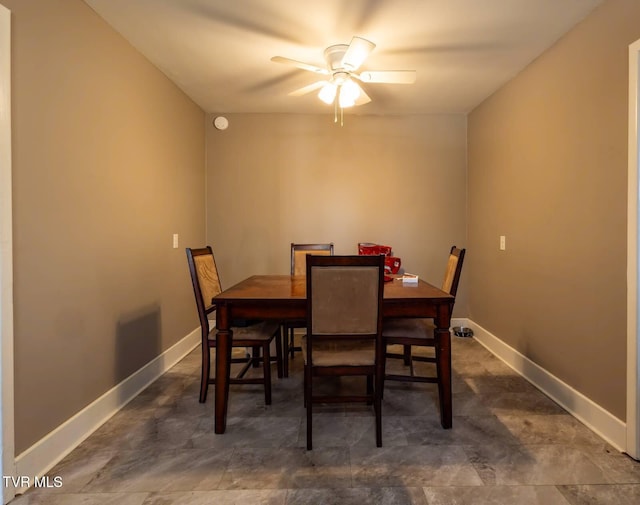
point(218, 51)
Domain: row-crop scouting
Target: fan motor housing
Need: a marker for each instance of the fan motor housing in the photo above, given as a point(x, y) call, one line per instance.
point(333, 55)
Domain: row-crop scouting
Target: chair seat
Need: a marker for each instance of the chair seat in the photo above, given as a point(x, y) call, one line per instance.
point(259, 332)
point(418, 329)
point(331, 353)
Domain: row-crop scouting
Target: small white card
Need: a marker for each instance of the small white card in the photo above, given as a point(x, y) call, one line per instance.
point(409, 279)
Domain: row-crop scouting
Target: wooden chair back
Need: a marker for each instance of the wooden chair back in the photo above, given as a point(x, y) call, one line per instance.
point(205, 281)
point(453, 270)
point(344, 298)
point(299, 253)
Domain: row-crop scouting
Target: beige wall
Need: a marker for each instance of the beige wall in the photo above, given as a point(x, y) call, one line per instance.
point(273, 179)
point(108, 162)
point(547, 168)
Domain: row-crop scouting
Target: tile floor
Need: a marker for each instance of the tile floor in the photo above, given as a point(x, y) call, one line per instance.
point(509, 445)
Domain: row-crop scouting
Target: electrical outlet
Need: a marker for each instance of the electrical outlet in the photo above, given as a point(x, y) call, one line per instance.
point(503, 243)
point(175, 240)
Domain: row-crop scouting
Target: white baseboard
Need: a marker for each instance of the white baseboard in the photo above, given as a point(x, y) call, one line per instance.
point(602, 422)
point(44, 454)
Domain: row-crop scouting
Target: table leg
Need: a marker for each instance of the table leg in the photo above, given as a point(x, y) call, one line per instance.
point(443, 357)
point(223, 367)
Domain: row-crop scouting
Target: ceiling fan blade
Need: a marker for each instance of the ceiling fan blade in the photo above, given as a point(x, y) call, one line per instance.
point(357, 52)
point(389, 76)
point(300, 64)
point(308, 89)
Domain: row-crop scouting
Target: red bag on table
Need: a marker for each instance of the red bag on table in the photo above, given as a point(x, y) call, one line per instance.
point(369, 249)
point(391, 263)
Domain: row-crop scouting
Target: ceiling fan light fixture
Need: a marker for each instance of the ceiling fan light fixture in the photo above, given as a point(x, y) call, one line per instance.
point(349, 93)
point(345, 103)
point(328, 93)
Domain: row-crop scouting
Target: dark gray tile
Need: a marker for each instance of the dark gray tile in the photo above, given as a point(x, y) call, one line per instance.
point(603, 494)
point(491, 384)
point(555, 464)
point(504, 402)
point(253, 497)
point(548, 429)
point(466, 430)
point(495, 495)
point(412, 466)
point(617, 467)
point(249, 432)
point(351, 430)
point(284, 468)
point(410, 399)
point(80, 499)
point(76, 470)
point(161, 470)
point(357, 496)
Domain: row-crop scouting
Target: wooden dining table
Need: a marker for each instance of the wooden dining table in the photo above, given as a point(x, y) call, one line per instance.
point(282, 297)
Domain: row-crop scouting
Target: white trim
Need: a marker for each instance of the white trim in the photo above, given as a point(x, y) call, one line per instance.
point(582, 408)
point(48, 451)
point(633, 361)
point(7, 444)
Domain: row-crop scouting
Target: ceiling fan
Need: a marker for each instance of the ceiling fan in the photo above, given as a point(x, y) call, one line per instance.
point(340, 87)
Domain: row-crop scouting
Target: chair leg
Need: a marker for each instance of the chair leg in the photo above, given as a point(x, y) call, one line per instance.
point(378, 409)
point(279, 360)
point(256, 356)
point(285, 349)
point(266, 366)
point(204, 379)
point(384, 371)
point(439, 377)
point(377, 399)
point(292, 342)
point(370, 388)
point(309, 404)
point(407, 355)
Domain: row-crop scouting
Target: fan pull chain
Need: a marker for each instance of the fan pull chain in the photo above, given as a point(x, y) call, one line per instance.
point(337, 106)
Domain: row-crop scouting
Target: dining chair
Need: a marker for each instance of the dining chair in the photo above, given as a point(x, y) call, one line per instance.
point(298, 267)
point(344, 330)
point(420, 332)
point(255, 335)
